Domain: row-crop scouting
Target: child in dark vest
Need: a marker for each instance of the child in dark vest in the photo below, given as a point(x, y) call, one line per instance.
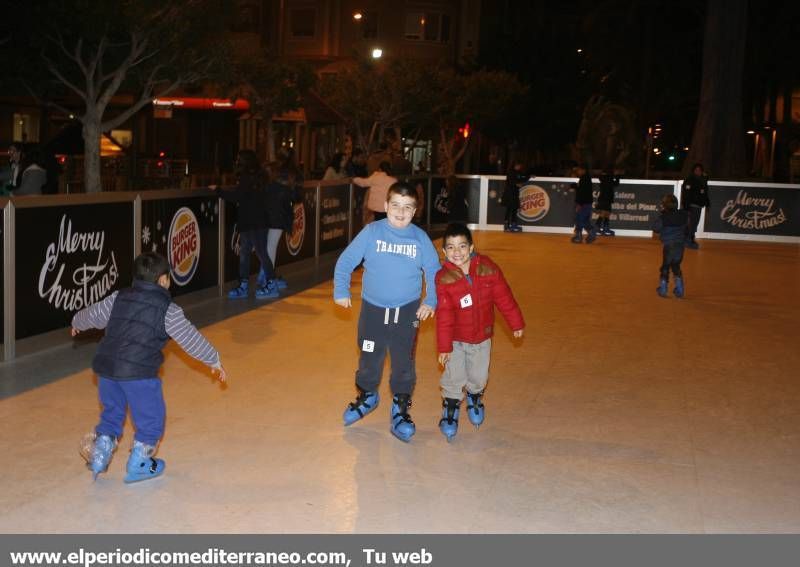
point(673, 227)
point(468, 287)
point(138, 322)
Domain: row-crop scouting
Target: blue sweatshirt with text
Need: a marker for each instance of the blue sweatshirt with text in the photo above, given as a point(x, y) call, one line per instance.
point(394, 261)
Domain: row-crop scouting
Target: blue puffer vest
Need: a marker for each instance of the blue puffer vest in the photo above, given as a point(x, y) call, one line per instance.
point(135, 334)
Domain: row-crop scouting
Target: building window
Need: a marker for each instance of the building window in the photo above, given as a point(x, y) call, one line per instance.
point(369, 25)
point(304, 23)
point(26, 128)
point(428, 26)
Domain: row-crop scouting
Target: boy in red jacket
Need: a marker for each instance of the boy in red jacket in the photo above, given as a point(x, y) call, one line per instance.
point(468, 286)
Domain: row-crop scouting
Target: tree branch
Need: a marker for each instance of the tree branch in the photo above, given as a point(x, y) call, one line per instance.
point(57, 74)
point(119, 74)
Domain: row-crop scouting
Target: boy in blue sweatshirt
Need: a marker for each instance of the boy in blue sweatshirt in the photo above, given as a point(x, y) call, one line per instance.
point(395, 253)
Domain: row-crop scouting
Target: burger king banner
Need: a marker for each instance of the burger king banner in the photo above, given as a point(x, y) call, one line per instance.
point(183, 230)
point(69, 257)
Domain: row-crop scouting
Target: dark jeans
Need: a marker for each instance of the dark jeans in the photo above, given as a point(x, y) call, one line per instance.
point(511, 214)
point(381, 329)
point(146, 401)
point(583, 218)
point(694, 221)
point(672, 258)
point(250, 240)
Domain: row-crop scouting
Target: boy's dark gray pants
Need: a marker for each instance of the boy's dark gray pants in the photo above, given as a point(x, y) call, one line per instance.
point(394, 329)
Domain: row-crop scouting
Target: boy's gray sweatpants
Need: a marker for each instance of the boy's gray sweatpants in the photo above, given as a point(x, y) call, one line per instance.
point(392, 328)
point(468, 367)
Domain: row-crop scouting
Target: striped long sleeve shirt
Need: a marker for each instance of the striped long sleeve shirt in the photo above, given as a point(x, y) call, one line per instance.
point(178, 327)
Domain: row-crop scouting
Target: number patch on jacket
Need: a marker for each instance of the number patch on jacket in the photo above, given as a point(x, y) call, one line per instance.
point(466, 301)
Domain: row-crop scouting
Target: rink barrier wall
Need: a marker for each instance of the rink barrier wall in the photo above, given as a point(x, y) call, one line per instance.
point(61, 252)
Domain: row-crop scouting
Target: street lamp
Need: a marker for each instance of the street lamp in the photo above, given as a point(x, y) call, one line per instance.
point(357, 16)
point(377, 53)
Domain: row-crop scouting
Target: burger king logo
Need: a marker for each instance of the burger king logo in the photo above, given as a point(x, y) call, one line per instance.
point(534, 203)
point(294, 241)
point(183, 246)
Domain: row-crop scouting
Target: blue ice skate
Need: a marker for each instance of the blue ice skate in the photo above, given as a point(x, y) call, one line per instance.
point(592, 236)
point(364, 404)
point(678, 290)
point(662, 288)
point(142, 465)
point(578, 238)
point(475, 410)
point(97, 451)
point(402, 426)
point(268, 291)
point(448, 425)
point(261, 280)
point(239, 292)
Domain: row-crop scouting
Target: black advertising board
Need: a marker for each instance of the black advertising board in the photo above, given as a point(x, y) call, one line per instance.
point(69, 257)
point(293, 247)
point(442, 201)
point(184, 230)
point(753, 210)
point(334, 202)
point(551, 203)
point(2, 278)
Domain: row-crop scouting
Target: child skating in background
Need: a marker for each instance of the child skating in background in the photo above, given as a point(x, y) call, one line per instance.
point(609, 180)
point(468, 287)
point(583, 207)
point(138, 321)
point(396, 253)
point(673, 227)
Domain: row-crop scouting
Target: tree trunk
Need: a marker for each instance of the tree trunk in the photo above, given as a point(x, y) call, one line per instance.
point(92, 180)
point(718, 139)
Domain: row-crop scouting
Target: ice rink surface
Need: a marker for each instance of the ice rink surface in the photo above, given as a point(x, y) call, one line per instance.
point(618, 412)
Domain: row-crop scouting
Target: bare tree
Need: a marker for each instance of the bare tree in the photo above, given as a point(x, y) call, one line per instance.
point(98, 51)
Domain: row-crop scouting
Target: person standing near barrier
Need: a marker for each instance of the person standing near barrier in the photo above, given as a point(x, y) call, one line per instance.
point(609, 180)
point(514, 182)
point(251, 197)
point(377, 185)
point(138, 321)
point(396, 254)
point(336, 169)
point(281, 198)
point(672, 226)
point(694, 196)
point(583, 207)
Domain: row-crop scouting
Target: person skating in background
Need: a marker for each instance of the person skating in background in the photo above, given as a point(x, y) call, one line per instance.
point(250, 195)
point(694, 196)
point(468, 287)
point(280, 202)
point(583, 207)
point(609, 180)
point(377, 186)
point(672, 225)
point(515, 179)
point(396, 254)
point(138, 321)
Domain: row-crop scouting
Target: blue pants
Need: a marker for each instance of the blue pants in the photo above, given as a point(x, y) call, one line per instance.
point(146, 401)
point(583, 218)
point(250, 240)
point(672, 256)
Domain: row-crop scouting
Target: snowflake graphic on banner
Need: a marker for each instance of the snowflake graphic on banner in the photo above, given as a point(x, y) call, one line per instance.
point(146, 235)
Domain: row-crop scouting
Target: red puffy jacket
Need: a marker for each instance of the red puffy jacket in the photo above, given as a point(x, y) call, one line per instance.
point(466, 310)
